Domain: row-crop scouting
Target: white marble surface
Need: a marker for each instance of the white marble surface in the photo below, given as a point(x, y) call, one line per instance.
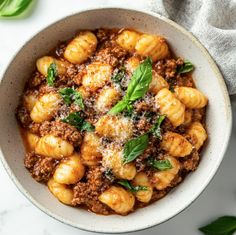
point(19, 216)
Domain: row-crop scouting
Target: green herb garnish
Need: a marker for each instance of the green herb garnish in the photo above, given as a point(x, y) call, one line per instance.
point(70, 95)
point(119, 75)
point(130, 187)
point(137, 87)
point(109, 175)
point(172, 88)
point(225, 225)
point(161, 165)
point(156, 128)
point(52, 73)
point(10, 8)
point(133, 148)
point(186, 67)
point(75, 119)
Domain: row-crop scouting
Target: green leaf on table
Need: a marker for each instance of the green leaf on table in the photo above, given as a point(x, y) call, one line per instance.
point(225, 225)
point(135, 147)
point(186, 67)
point(9, 8)
point(75, 119)
point(161, 165)
point(130, 187)
point(51, 74)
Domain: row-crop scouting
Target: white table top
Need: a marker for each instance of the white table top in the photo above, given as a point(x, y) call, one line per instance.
point(19, 216)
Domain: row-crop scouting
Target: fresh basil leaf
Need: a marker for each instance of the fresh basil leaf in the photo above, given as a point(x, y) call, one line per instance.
point(133, 148)
point(52, 73)
point(75, 119)
point(186, 67)
point(130, 187)
point(119, 75)
point(137, 87)
point(87, 127)
point(156, 128)
point(161, 165)
point(119, 107)
point(78, 99)
point(9, 8)
point(66, 94)
point(70, 95)
point(140, 81)
point(225, 225)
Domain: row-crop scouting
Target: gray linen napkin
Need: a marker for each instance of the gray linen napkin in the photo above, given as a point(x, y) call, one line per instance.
point(213, 22)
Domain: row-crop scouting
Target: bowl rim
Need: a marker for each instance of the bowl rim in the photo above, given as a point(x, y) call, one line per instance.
point(219, 79)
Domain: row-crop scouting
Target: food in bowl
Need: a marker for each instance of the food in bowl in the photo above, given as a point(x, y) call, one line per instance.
point(112, 120)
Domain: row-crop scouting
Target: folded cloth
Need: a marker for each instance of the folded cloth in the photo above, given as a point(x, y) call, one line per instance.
point(213, 22)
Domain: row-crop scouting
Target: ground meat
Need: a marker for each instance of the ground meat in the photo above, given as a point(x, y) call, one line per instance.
point(198, 114)
point(177, 180)
point(87, 193)
point(111, 55)
point(184, 80)
point(23, 116)
point(102, 35)
point(190, 163)
point(158, 194)
point(36, 80)
point(41, 168)
point(34, 127)
point(45, 89)
point(62, 130)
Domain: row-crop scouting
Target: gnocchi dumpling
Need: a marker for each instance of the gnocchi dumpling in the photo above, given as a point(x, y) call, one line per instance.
point(98, 74)
point(61, 191)
point(55, 147)
point(90, 152)
point(118, 199)
point(197, 134)
point(113, 159)
point(131, 64)
point(70, 170)
point(152, 46)
point(188, 117)
point(31, 140)
point(43, 64)
point(157, 83)
point(106, 99)
point(45, 107)
point(170, 106)
point(127, 39)
point(175, 144)
point(84, 92)
point(81, 47)
point(115, 127)
point(141, 179)
point(191, 97)
point(29, 100)
point(163, 179)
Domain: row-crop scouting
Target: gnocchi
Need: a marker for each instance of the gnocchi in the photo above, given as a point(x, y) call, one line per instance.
point(119, 128)
point(118, 199)
point(163, 179)
point(157, 83)
point(152, 46)
point(31, 140)
point(128, 39)
point(176, 145)
point(112, 159)
point(97, 76)
point(61, 192)
point(191, 97)
point(55, 147)
point(170, 106)
point(90, 151)
point(69, 171)
point(141, 179)
point(44, 63)
point(197, 134)
point(81, 47)
point(45, 107)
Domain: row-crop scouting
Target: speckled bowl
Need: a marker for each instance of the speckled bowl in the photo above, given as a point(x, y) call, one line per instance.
point(208, 79)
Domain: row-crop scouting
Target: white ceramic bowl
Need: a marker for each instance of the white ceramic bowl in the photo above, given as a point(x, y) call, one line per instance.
point(206, 75)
